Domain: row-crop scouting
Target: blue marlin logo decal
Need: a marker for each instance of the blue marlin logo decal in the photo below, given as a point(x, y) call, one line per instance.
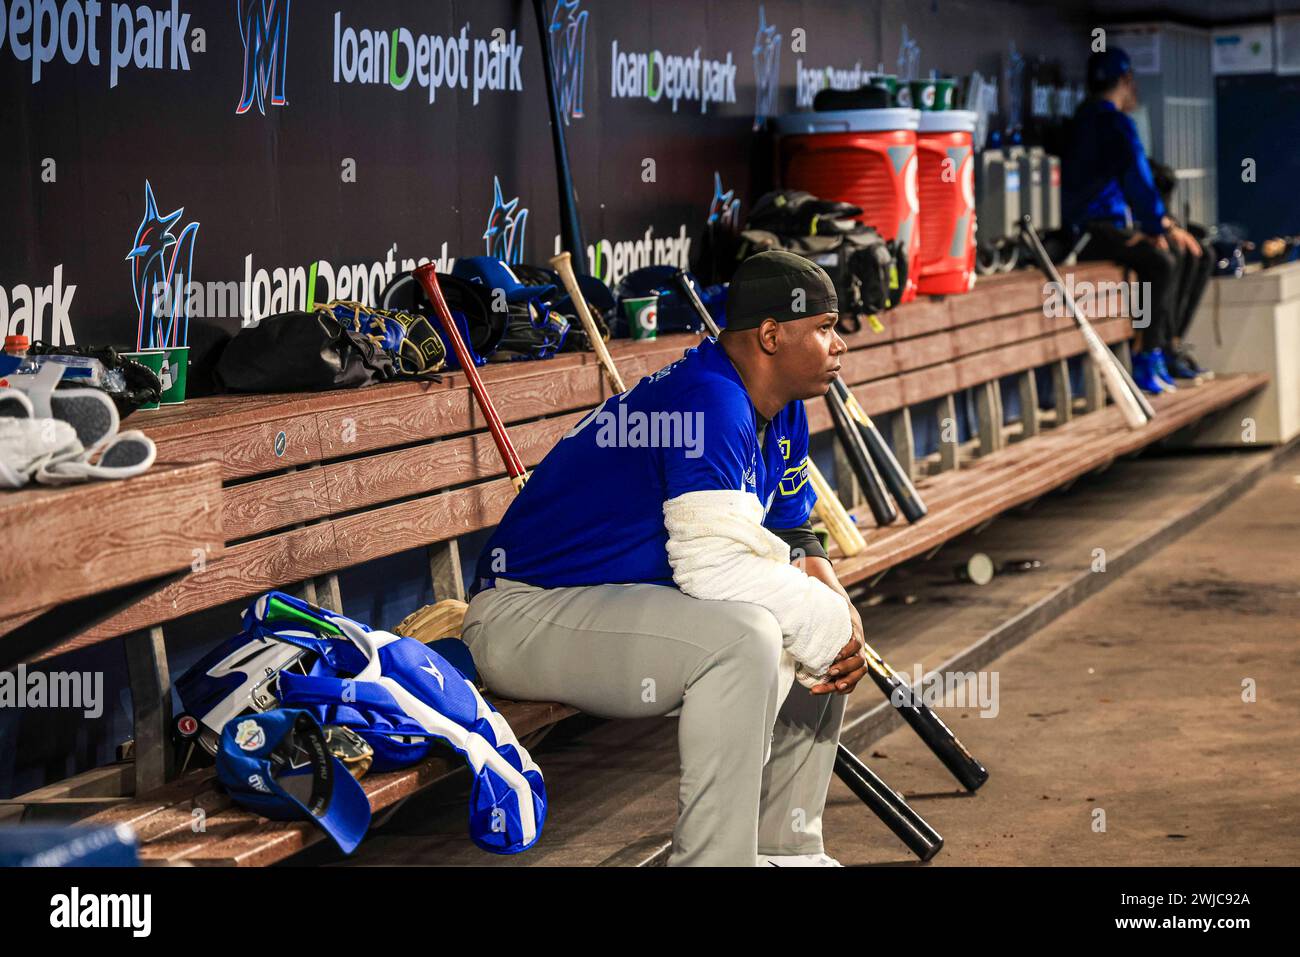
point(159, 289)
point(724, 210)
point(504, 236)
point(568, 38)
point(264, 29)
point(767, 69)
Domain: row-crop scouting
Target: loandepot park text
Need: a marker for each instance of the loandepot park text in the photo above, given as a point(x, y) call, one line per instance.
point(1126, 300)
point(653, 430)
point(810, 81)
point(950, 689)
point(393, 58)
point(654, 76)
point(269, 291)
point(139, 36)
point(21, 688)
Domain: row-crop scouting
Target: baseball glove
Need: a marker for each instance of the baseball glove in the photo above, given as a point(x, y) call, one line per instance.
point(406, 336)
point(350, 748)
point(440, 620)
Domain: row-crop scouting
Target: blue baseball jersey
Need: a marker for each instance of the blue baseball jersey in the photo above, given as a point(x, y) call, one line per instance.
point(592, 511)
point(1105, 174)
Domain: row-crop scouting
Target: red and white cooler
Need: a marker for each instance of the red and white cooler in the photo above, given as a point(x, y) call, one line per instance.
point(946, 187)
point(864, 157)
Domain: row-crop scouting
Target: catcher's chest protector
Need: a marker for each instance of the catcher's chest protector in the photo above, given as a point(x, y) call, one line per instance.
point(402, 697)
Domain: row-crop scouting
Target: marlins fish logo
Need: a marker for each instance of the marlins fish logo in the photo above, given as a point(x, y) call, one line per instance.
point(767, 69)
point(264, 28)
point(504, 236)
point(160, 298)
point(724, 210)
point(568, 39)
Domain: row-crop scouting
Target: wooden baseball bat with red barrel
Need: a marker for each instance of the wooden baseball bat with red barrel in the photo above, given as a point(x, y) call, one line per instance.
point(427, 277)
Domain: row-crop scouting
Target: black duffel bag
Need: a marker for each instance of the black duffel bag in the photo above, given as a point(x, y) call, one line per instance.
point(301, 351)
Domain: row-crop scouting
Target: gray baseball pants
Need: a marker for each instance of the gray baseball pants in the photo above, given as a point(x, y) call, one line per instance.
point(636, 651)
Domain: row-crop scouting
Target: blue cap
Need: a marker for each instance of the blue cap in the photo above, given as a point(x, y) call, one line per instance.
point(276, 763)
point(1107, 66)
point(494, 274)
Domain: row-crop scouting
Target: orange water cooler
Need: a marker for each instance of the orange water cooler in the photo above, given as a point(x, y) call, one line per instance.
point(946, 187)
point(864, 157)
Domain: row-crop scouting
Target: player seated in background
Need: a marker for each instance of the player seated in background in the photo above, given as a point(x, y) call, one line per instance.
point(1108, 190)
point(647, 567)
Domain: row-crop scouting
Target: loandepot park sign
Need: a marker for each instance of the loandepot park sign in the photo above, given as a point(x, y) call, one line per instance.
point(399, 57)
point(654, 77)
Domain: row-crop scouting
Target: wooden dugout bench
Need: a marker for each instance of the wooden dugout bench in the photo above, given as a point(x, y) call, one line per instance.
point(320, 482)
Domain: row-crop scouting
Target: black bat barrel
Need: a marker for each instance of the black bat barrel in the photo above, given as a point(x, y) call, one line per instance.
point(931, 729)
point(873, 489)
point(570, 222)
point(888, 805)
point(898, 482)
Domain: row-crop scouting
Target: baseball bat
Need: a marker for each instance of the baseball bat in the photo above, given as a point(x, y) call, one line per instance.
point(831, 512)
point(563, 264)
point(570, 222)
point(427, 277)
point(855, 450)
point(928, 726)
point(888, 805)
point(1133, 406)
point(917, 714)
point(896, 480)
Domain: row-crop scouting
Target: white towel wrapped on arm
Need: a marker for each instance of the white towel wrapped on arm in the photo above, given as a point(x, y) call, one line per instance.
point(719, 550)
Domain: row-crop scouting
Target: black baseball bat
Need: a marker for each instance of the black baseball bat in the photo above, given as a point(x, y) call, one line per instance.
point(928, 726)
point(931, 729)
point(888, 805)
point(855, 450)
point(570, 222)
point(897, 481)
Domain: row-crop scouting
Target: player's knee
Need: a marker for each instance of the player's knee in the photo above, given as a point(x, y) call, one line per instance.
point(759, 640)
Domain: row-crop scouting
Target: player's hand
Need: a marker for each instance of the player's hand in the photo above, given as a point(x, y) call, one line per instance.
point(849, 666)
point(1186, 240)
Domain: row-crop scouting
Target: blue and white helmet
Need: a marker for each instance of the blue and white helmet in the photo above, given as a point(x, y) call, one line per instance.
point(238, 676)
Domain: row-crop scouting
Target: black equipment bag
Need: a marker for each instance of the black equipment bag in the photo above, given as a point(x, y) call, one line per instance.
point(301, 351)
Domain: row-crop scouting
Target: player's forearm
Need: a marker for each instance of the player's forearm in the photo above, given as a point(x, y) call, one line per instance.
point(822, 570)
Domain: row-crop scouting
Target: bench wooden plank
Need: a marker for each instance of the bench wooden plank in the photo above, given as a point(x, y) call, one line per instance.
point(263, 505)
point(248, 568)
point(66, 542)
point(240, 432)
point(1023, 471)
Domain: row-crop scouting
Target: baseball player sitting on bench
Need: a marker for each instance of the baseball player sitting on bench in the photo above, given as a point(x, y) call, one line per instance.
point(647, 567)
